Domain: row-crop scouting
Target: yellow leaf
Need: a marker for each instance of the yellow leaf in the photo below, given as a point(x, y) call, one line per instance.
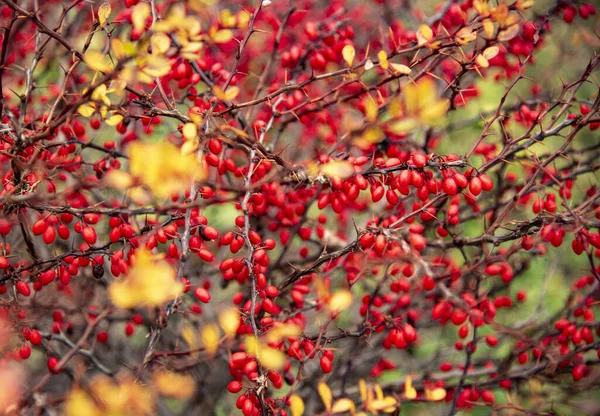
point(338, 168)
point(488, 28)
point(210, 339)
point(424, 35)
point(385, 403)
point(500, 13)
point(150, 282)
point(139, 15)
point(117, 86)
point(118, 179)
point(114, 120)
point(178, 386)
point(409, 390)
point(481, 61)
point(104, 13)
point(400, 69)
point(383, 61)
point(282, 330)
point(340, 300)
point(221, 36)
point(435, 395)
point(362, 387)
point(271, 358)
point(491, 52)
point(189, 131)
point(296, 405)
point(160, 43)
point(86, 110)
point(228, 95)
point(229, 320)
point(435, 113)
point(190, 336)
point(403, 126)
point(163, 168)
point(371, 109)
point(156, 66)
point(97, 61)
point(79, 403)
point(481, 7)
point(343, 405)
point(524, 5)
point(326, 396)
point(348, 54)
point(509, 33)
point(200, 5)
point(227, 19)
point(465, 35)
point(369, 64)
point(104, 396)
point(189, 147)
point(378, 392)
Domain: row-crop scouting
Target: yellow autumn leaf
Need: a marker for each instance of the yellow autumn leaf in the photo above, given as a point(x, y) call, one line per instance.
point(87, 110)
point(210, 339)
point(371, 109)
point(221, 36)
point(160, 43)
point(139, 15)
point(524, 5)
point(163, 168)
point(189, 131)
point(465, 35)
point(104, 396)
point(343, 405)
point(296, 405)
point(170, 384)
point(488, 28)
point(270, 358)
point(481, 7)
point(114, 120)
point(190, 336)
point(403, 126)
point(156, 66)
point(435, 395)
point(282, 330)
point(509, 33)
point(340, 300)
point(79, 402)
point(424, 35)
point(491, 52)
point(229, 320)
point(97, 61)
point(409, 390)
point(326, 396)
point(386, 404)
point(228, 95)
point(150, 282)
point(104, 13)
point(421, 102)
point(500, 13)
point(348, 54)
point(400, 69)
point(362, 387)
point(200, 5)
point(383, 61)
point(118, 179)
point(481, 61)
point(337, 169)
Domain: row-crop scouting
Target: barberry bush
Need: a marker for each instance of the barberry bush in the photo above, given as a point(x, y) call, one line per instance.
point(297, 207)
